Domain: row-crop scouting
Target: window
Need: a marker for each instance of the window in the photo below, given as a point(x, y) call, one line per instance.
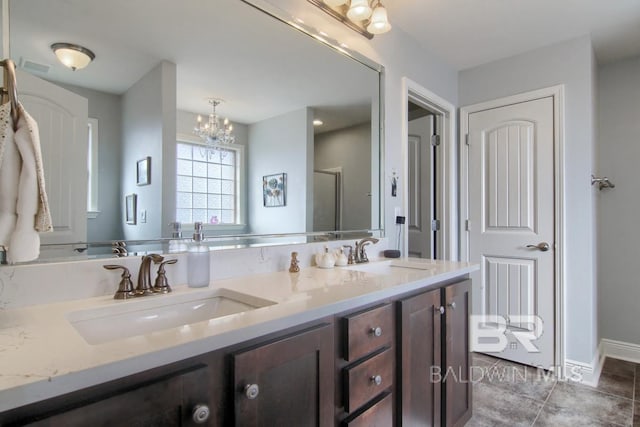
point(92, 169)
point(207, 184)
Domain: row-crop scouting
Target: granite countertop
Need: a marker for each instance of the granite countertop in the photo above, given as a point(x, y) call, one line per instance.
point(42, 355)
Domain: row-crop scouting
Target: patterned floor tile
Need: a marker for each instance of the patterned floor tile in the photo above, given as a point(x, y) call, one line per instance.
point(592, 403)
point(497, 407)
point(552, 416)
point(523, 380)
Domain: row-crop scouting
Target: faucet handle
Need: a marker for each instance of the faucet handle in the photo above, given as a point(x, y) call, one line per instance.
point(161, 284)
point(125, 287)
point(119, 249)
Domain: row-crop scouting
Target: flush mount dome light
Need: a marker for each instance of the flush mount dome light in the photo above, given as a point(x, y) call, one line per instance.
point(73, 56)
point(318, 122)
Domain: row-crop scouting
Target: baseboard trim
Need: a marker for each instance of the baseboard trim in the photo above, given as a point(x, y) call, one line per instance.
point(620, 350)
point(584, 373)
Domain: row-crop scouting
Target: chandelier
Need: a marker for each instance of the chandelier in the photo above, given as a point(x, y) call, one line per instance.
point(214, 133)
point(368, 17)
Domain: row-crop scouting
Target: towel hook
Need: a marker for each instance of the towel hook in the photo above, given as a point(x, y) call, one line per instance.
point(602, 182)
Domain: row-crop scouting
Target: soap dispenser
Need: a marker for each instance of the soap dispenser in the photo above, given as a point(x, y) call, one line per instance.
point(198, 260)
point(177, 243)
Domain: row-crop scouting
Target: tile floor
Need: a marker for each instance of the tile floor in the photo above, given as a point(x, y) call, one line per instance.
point(508, 394)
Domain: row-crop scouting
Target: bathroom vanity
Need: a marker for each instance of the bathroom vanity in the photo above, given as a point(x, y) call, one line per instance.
point(352, 346)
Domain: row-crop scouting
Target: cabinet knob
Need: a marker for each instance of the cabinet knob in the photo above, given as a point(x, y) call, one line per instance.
point(377, 331)
point(376, 379)
point(251, 391)
point(200, 414)
point(452, 305)
point(441, 309)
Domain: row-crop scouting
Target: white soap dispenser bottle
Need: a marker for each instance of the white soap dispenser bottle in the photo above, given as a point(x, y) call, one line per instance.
point(198, 260)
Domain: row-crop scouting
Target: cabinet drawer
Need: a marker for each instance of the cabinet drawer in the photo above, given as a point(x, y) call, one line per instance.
point(360, 380)
point(367, 332)
point(378, 415)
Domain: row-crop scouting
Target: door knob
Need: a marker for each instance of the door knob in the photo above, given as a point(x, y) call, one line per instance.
point(543, 246)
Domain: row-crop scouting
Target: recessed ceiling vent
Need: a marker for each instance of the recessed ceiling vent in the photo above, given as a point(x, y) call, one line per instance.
point(33, 66)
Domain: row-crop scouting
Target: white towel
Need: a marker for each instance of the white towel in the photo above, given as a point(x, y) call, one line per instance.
point(10, 164)
point(24, 207)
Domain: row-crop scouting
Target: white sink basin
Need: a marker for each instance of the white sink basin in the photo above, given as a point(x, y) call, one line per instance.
point(156, 313)
point(391, 266)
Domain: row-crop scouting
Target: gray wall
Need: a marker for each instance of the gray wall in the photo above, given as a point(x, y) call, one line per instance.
point(282, 144)
point(349, 148)
point(619, 208)
point(106, 108)
point(149, 129)
point(569, 63)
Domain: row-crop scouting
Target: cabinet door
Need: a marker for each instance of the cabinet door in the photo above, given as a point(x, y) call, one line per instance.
point(167, 402)
point(420, 355)
point(457, 382)
point(288, 382)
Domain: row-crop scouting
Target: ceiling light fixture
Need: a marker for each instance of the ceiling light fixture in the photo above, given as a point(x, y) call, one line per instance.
point(359, 10)
point(214, 133)
point(368, 17)
point(318, 122)
point(73, 56)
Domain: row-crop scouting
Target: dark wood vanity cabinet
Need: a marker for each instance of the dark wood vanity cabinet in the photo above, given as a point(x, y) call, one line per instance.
point(419, 357)
point(433, 358)
point(165, 401)
point(288, 382)
point(457, 358)
point(401, 362)
point(365, 367)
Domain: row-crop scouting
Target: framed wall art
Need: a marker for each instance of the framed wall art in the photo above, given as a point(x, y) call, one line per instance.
point(143, 171)
point(131, 201)
point(274, 190)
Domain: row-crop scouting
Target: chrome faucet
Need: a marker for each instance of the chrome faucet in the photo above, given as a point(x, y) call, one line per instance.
point(144, 275)
point(361, 254)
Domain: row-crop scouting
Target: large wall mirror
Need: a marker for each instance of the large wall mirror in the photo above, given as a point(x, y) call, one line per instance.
point(122, 161)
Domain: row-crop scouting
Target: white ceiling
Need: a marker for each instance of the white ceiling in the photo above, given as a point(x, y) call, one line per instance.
point(466, 33)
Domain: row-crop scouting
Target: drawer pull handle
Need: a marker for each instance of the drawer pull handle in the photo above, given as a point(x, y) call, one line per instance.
point(200, 414)
point(251, 391)
point(452, 305)
point(376, 332)
point(376, 379)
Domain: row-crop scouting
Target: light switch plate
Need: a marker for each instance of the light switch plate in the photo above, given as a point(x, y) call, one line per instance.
point(143, 216)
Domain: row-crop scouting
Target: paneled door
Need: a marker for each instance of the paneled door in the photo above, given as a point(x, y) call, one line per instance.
point(62, 121)
point(511, 228)
point(421, 188)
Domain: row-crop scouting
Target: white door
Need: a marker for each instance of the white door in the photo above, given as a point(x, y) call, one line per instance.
point(511, 229)
point(62, 121)
point(420, 187)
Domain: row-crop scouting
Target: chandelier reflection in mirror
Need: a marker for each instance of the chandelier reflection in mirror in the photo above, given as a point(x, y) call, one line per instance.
point(212, 132)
